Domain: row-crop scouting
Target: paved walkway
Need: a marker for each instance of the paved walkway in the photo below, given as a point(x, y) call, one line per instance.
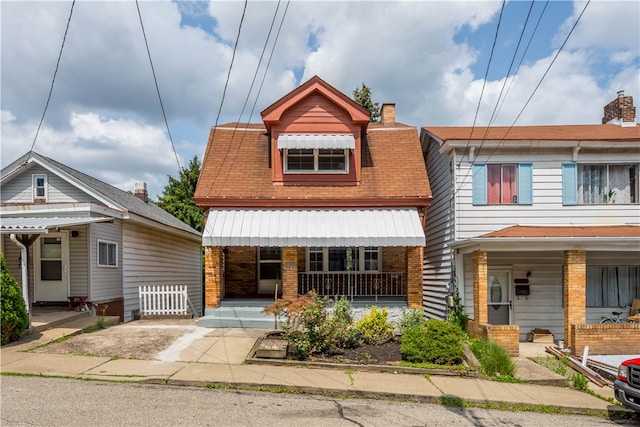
point(203, 356)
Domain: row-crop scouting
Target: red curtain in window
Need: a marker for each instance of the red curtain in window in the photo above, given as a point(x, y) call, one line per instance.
point(493, 184)
point(509, 189)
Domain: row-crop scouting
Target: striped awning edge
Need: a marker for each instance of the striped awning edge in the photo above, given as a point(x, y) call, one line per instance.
point(321, 141)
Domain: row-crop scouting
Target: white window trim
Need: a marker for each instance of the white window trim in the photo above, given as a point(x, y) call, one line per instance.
point(361, 261)
point(107, 242)
point(316, 152)
point(34, 187)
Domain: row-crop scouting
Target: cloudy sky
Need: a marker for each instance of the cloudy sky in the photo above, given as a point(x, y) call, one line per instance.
point(433, 59)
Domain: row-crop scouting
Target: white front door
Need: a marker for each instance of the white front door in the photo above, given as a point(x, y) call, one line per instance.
point(499, 297)
point(51, 262)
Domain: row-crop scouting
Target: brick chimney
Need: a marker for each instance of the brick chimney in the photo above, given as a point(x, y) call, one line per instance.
point(388, 114)
point(620, 111)
point(140, 191)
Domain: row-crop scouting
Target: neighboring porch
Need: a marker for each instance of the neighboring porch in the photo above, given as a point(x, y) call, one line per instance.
point(511, 289)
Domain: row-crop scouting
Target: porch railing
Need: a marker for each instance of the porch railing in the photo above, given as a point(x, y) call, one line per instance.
point(162, 300)
point(354, 284)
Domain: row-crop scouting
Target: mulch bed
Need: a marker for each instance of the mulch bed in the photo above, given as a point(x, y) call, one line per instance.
point(387, 353)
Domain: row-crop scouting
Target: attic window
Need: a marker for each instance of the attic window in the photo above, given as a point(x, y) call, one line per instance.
point(315, 160)
point(40, 187)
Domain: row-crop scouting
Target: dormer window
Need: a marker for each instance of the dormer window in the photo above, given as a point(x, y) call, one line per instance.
point(40, 187)
point(316, 153)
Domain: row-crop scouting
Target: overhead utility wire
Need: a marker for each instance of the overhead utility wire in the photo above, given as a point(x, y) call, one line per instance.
point(273, 47)
point(155, 81)
point(246, 100)
point(484, 81)
point(495, 109)
point(64, 38)
point(224, 91)
point(543, 77)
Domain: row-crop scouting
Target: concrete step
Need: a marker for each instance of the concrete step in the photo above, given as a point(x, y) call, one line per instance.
point(54, 319)
point(236, 317)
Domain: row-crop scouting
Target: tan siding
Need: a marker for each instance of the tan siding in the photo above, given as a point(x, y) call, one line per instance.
point(106, 282)
point(79, 261)
point(19, 189)
point(155, 258)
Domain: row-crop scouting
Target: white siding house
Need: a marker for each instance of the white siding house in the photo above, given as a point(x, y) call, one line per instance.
point(83, 237)
point(514, 207)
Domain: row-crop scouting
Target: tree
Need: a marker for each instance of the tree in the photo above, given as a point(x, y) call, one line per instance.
point(363, 97)
point(177, 197)
point(13, 314)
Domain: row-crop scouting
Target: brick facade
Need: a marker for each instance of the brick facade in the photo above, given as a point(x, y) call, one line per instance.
point(289, 273)
point(241, 272)
point(612, 338)
point(212, 276)
point(575, 295)
point(506, 336)
point(414, 277)
point(480, 308)
point(394, 259)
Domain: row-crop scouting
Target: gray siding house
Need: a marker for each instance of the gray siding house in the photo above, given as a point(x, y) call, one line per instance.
point(83, 237)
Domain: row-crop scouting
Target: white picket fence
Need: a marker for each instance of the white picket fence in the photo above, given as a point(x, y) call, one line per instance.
point(164, 300)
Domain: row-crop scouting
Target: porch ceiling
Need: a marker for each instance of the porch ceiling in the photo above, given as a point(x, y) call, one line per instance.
point(39, 225)
point(313, 227)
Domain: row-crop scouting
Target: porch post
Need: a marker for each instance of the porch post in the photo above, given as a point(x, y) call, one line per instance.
point(414, 277)
point(289, 273)
point(575, 291)
point(480, 308)
point(212, 276)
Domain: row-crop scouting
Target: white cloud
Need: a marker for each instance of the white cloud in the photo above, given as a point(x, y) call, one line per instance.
point(105, 114)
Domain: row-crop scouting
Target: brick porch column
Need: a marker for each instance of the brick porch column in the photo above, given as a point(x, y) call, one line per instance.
point(414, 277)
point(289, 273)
point(480, 308)
point(212, 276)
point(575, 291)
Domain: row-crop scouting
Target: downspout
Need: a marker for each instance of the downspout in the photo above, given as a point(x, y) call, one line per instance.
point(25, 273)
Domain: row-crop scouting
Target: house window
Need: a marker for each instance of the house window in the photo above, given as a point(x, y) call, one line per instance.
point(300, 160)
point(607, 183)
point(363, 258)
point(612, 286)
point(502, 184)
point(39, 186)
point(107, 254)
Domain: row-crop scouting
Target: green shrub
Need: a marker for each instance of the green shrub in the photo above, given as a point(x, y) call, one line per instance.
point(579, 381)
point(494, 360)
point(344, 334)
point(375, 327)
point(435, 342)
point(410, 318)
point(456, 313)
point(13, 317)
point(306, 329)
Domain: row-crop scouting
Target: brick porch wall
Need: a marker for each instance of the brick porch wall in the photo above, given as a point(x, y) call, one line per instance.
point(414, 277)
point(241, 277)
point(289, 273)
point(575, 296)
point(611, 338)
point(506, 336)
point(480, 308)
point(394, 258)
point(212, 276)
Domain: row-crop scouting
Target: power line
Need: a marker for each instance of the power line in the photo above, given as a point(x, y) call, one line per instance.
point(532, 93)
point(273, 47)
point(224, 91)
point(155, 81)
point(64, 38)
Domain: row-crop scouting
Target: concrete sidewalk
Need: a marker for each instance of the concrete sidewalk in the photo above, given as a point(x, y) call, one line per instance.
point(217, 357)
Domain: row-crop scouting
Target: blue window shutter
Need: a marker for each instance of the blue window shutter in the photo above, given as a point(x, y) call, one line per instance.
point(525, 183)
point(569, 184)
point(479, 184)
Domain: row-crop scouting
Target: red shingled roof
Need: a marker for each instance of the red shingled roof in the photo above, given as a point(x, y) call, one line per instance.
point(611, 231)
point(235, 172)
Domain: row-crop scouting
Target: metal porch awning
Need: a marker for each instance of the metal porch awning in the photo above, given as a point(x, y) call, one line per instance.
point(41, 225)
point(313, 227)
point(321, 141)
